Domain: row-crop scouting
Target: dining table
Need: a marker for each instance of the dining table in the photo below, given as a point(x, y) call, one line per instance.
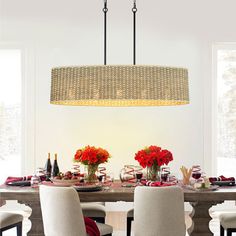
point(201, 201)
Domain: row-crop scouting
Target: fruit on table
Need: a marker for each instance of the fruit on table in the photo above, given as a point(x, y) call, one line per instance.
point(68, 175)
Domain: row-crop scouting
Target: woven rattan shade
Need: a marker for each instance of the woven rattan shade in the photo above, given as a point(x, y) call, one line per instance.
point(119, 85)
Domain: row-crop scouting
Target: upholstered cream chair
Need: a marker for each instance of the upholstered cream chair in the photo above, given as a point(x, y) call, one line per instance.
point(228, 223)
point(10, 220)
point(94, 210)
point(159, 211)
point(62, 213)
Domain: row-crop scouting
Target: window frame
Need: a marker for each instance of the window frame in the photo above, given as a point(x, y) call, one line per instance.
point(215, 48)
point(27, 105)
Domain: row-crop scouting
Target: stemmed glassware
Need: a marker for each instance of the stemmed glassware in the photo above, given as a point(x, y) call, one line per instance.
point(165, 172)
point(196, 175)
point(138, 175)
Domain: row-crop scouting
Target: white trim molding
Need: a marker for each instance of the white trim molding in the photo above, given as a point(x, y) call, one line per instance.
point(210, 109)
point(28, 105)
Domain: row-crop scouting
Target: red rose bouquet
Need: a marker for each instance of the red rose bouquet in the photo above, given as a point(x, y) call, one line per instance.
point(92, 157)
point(153, 158)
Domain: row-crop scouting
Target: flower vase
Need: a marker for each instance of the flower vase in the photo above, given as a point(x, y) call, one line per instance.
point(153, 172)
point(91, 173)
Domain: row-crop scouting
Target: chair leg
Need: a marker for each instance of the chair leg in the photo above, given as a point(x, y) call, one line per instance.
point(99, 219)
point(222, 231)
point(19, 229)
point(129, 222)
point(229, 232)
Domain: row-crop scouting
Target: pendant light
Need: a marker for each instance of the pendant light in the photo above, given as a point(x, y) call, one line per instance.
point(119, 85)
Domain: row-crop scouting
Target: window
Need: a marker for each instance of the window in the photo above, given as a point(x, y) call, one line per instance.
point(10, 113)
point(226, 110)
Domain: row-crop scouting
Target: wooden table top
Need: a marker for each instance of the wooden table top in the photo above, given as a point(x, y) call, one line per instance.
point(116, 192)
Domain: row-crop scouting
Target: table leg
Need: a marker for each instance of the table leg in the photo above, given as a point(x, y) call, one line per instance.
point(201, 218)
point(36, 219)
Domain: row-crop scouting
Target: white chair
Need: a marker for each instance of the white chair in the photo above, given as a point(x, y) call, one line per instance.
point(228, 223)
point(62, 213)
point(159, 211)
point(10, 220)
point(94, 210)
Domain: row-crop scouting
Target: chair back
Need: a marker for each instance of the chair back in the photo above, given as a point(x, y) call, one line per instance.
point(61, 211)
point(159, 211)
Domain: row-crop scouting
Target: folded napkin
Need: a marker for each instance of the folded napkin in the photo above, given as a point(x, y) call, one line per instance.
point(221, 178)
point(91, 227)
point(156, 183)
point(15, 179)
point(23, 178)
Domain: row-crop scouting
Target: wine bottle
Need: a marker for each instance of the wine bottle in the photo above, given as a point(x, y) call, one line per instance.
point(48, 168)
point(55, 167)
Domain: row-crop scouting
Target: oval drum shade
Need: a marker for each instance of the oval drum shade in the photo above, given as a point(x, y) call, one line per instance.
point(119, 85)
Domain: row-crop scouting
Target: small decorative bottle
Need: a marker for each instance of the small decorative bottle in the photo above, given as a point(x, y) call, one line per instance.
point(48, 168)
point(55, 167)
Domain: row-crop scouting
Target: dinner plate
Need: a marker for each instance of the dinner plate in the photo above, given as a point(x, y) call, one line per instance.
point(224, 183)
point(88, 188)
point(211, 188)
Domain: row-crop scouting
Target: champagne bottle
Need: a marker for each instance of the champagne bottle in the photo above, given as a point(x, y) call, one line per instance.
point(48, 168)
point(55, 167)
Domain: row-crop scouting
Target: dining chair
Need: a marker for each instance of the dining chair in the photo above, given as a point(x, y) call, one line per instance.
point(94, 210)
point(159, 211)
point(62, 213)
point(10, 220)
point(129, 219)
point(228, 223)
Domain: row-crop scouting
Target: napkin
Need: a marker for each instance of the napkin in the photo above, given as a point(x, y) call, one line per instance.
point(23, 178)
point(221, 178)
point(91, 227)
point(156, 183)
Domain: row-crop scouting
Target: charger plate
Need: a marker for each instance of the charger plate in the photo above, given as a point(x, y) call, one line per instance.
point(88, 188)
point(19, 183)
point(224, 183)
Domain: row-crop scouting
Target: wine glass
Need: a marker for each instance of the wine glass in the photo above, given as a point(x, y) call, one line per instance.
point(196, 175)
point(139, 175)
point(100, 178)
point(110, 177)
point(165, 172)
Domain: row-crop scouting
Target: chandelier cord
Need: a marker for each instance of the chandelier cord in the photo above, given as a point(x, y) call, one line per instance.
point(134, 10)
point(105, 10)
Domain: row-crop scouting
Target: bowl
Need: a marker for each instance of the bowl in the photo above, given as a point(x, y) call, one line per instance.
point(65, 182)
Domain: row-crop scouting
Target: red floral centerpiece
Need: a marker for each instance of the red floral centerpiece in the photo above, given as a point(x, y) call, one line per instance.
point(153, 158)
point(91, 157)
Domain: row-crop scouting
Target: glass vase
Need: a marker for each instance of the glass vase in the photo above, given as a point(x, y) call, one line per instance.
point(91, 176)
point(153, 172)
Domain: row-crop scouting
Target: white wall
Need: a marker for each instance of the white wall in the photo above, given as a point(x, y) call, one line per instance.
point(174, 33)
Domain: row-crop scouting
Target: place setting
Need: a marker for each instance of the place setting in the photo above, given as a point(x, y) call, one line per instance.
point(195, 179)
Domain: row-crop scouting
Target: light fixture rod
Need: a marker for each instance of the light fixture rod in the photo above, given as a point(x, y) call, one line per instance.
point(105, 10)
point(134, 10)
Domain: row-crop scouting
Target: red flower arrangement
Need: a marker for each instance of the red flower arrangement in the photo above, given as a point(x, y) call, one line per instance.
point(91, 156)
point(153, 155)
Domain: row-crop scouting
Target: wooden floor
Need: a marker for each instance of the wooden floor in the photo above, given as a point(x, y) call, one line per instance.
point(118, 221)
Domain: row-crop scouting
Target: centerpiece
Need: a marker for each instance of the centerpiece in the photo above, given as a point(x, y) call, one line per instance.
point(91, 157)
point(153, 158)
